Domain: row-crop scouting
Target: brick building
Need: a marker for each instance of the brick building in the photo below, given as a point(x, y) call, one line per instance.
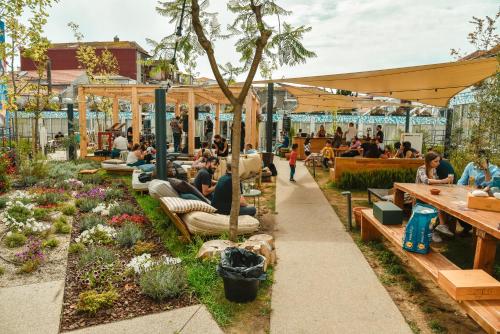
point(128, 54)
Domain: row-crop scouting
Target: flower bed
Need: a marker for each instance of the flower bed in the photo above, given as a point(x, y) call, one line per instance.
point(117, 269)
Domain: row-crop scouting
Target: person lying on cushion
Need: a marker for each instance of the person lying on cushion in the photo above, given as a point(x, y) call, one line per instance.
point(222, 196)
point(204, 179)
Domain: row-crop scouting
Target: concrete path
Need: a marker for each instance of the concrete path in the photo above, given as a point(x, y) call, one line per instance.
point(193, 320)
point(33, 308)
point(323, 282)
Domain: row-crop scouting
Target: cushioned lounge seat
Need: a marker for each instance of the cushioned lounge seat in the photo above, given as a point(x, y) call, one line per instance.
point(138, 185)
point(202, 223)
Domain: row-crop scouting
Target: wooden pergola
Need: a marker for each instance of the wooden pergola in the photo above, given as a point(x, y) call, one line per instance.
point(138, 95)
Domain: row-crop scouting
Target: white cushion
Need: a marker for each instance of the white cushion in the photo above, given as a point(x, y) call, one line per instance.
point(136, 184)
point(202, 223)
point(250, 165)
point(107, 166)
point(114, 161)
point(160, 188)
point(180, 205)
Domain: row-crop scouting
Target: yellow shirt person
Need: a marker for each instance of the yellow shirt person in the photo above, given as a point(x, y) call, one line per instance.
point(327, 153)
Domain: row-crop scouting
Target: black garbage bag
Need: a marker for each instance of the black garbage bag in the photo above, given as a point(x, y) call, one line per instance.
point(238, 263)
point(242, 272)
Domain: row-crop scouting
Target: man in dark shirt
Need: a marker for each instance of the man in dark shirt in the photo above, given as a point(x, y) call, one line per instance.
point(371, 149)
point(203, 181)
point(222, 196)
point(221, 146)
point(209, 130)
point(176, 132)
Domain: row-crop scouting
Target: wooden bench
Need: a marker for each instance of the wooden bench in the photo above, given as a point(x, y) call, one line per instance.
point(485, 312)
point(358, 164)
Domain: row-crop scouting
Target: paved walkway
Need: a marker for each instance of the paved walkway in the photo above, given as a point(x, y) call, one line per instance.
point(323, 282)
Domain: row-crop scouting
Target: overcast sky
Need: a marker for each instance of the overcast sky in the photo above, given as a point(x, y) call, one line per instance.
point(347, 35)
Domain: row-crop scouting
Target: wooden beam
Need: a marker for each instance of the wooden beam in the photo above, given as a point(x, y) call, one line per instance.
point(255, 130)
point(177, 109)
point(217, 119)
point(116, 110)
point(135, 117)
point(82, 119)
point(208, 97)
point(191, 122)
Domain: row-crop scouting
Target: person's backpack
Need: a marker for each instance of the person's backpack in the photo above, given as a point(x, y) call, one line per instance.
point(145, 177)
point(273, 169)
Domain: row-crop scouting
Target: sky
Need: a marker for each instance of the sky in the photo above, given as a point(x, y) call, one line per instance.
point(347, 35)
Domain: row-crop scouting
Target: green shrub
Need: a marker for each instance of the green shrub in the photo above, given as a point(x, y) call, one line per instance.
point(41, 214)
point(68, 170)
point(51, 243)
point(86, 204)
point(163, 281)
point(33, 170)
point(92, 220)
point(76, 248)
point(19, 213)
point(129, 234)
point(3, 202)
point(383, 178)
point(114, 193)
point(2, 270)
point(95, 179)
point(122, 209)
point(30, 266)
point(96, 254)
point(142, 247)
point(68, 210)
point(15, 239)
point(51, 198)
point(61, 226)
point(92, 301)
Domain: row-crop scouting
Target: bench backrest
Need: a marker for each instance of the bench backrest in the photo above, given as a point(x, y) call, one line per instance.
point(364, 164)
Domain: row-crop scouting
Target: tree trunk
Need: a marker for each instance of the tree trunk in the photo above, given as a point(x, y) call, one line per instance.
point(235, 172)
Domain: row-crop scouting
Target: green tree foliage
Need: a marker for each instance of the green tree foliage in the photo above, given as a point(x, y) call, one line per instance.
point(260, 45)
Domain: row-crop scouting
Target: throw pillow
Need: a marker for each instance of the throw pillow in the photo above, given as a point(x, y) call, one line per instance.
point(159, 188)
point(183, 187)
point(179, 205)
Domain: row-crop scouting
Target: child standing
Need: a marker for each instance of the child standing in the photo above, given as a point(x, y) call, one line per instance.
point(293, 161)
point(327, 153)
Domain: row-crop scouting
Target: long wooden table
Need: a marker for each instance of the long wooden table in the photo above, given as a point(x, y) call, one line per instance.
point(453, 200)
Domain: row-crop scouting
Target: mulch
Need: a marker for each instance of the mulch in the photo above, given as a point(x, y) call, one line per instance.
point(131, 302)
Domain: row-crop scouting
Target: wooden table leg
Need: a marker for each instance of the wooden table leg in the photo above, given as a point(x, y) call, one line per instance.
point(399, 198)
point(486, 248)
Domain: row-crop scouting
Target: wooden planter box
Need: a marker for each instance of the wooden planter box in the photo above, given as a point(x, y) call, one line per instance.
point(483, 203)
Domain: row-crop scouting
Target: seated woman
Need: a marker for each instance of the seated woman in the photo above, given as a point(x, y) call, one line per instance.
point(307, 149)
point(136, 156)
point(201, 153)
point(200, 163)
point(427, 174)
point(481, 171)
point(322, 131)
point(249, 149)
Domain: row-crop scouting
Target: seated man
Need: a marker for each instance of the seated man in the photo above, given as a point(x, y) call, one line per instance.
point(222, 196)
point(353, 149)
point(119, 144)
point(371, 149)
point(249, 149)
point(204, 179)
point(481, 172)
point(284, 144)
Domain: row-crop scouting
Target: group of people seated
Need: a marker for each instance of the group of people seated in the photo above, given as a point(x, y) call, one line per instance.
point(220, 192)
point(437, 170)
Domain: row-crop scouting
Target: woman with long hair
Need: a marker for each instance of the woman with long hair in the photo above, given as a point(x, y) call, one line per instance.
point(426, 174)
point(337, 138)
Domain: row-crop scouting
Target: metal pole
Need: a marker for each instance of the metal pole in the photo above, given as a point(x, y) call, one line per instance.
point(407, 121)
point(269, 127)
point(349, 209)
point(71, 133)
point(447, 134)
point(161, 133)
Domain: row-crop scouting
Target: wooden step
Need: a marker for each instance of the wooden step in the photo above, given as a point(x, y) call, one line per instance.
point(432, 262)
point(485, 312)
point(474, 284)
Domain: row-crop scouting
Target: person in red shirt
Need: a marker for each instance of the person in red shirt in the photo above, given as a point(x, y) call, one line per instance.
point(293, 161)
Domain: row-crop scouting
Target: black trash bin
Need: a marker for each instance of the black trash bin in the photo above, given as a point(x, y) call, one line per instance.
point(241, 271)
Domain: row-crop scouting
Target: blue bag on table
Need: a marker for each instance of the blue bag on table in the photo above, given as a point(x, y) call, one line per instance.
point(417, 236)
